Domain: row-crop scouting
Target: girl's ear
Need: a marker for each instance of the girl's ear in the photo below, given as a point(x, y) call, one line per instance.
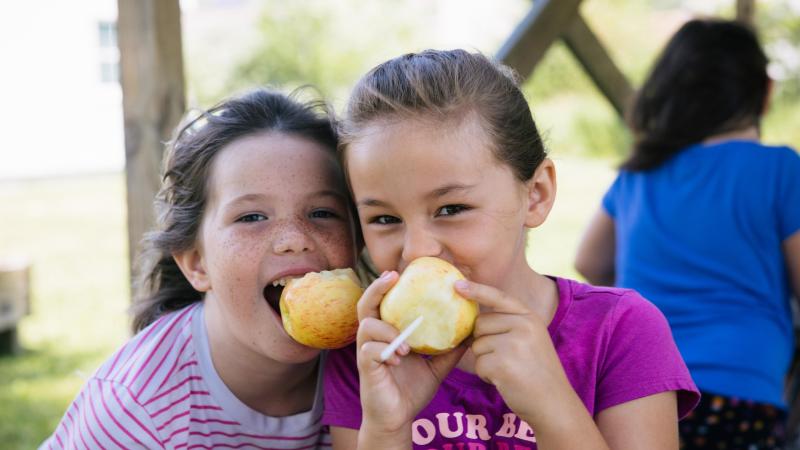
point(193, 266)
point(541, 193)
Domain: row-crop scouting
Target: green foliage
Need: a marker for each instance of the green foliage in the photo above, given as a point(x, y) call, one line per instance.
point(73, 232)
point(299, 45)
point(326, 44)
point(329, 44)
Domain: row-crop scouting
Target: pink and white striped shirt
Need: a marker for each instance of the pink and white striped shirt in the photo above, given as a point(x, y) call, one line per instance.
point(160, 390)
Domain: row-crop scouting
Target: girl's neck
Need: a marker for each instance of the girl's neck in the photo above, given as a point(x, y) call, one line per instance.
point(538, 292)
point(750, 133)
point(270, 387)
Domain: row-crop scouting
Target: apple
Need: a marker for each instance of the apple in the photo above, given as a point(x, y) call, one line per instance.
point(319, 309)
point(425, 288)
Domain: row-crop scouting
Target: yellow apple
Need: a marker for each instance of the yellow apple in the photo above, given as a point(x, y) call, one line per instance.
point(425, 288)
point(319, 309)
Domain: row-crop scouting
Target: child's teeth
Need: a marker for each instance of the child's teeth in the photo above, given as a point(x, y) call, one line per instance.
point(282, 281)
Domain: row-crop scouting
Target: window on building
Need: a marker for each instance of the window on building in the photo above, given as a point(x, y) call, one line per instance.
point(109, 52)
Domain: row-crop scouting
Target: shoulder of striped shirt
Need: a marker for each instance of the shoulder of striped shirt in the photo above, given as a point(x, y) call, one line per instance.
point(145, 363)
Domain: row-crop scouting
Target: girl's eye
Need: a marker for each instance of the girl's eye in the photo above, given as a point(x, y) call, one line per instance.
point(323, 214)
point(451, 210)
point(254, 217)
point(384, 220)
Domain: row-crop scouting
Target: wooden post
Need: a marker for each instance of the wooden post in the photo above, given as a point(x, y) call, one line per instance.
point(745, 11)
point(153, 100)
point(530, 40)
point(14, 302)
point(598, 64)
point(549, 20)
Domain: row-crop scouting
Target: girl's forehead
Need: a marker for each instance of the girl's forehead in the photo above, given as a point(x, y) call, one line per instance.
point(424, 140)
point(273, 161)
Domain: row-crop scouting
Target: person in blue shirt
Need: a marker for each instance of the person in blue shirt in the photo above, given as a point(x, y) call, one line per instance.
point(704, 220)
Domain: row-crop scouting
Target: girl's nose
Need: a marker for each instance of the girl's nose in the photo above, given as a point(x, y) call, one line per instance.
point(292, 237)
point(418, 243)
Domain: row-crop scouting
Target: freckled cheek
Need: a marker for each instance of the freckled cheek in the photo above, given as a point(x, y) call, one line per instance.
point(338, 244)
point(236, 258)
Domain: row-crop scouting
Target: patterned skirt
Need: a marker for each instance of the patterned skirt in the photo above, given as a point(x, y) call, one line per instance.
point(729, 423)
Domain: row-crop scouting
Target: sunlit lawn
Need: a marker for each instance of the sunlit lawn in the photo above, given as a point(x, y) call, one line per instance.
point(73, 231)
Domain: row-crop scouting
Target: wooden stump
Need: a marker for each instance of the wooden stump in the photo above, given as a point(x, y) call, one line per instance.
point(14, 302)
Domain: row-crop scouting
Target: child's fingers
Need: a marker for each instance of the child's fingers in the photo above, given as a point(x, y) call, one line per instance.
point(485, 345)
point(369, 355)
point(497, 323)
point(441, 365)
point(488, 366)
point(372, 329)
point(371, 299)
point(490, 297)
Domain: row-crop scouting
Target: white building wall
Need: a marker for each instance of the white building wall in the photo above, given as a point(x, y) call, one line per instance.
point(57, 116)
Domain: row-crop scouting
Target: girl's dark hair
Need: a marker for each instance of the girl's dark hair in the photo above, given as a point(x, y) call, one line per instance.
point(161, 287)
point(711, 78)
point(446, 85)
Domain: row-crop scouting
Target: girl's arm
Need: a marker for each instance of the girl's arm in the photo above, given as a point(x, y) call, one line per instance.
point(349, 439)
point(344, 438)
point(596, 252)
point(649, 422)
point(791, 252)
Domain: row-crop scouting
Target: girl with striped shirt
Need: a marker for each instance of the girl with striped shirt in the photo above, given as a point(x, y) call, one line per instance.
point(252, 194)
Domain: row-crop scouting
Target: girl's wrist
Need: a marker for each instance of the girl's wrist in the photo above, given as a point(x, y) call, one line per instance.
point(373, 435)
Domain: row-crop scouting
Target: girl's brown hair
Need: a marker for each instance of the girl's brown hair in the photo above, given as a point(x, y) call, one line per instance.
point(711, 78)
point(447, 85)
point(161, 286)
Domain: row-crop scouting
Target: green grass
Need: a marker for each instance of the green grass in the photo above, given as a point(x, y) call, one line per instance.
point(73, 231)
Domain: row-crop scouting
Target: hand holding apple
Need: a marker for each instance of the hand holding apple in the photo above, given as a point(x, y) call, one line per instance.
point(425, 288)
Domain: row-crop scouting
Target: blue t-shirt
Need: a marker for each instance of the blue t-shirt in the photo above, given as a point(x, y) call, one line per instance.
point(700, 236)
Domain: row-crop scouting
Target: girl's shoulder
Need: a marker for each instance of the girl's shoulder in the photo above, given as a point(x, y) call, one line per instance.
point(604, 309)
point(165, 342)
point(599, 297)
point(742, 151)
point(617, 346)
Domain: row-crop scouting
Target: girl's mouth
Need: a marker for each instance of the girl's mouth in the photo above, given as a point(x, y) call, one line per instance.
point(273, 291)
point(273, 296)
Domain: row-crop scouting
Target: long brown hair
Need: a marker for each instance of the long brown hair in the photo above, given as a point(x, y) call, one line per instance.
point(447, 85)
point(161, 287)
point(711, 78)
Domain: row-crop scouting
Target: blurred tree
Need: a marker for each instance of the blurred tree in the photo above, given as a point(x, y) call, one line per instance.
point(329, 44)
point(326, 44)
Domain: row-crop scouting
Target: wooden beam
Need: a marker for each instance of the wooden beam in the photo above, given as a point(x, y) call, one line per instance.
point(529, 41)
point(745, 11)
point(153, 100)
point(594, 58)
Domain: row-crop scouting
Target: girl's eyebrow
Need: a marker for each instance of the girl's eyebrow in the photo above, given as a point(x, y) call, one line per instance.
point(448, 188)
point(254, 197)
point(372, 202)
point(436, 193)
point(244, 199)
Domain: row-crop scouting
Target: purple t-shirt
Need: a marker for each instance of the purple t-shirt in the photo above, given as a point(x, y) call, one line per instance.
point(614, 345)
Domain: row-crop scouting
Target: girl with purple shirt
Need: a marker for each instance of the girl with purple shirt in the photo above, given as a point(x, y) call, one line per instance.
point(444, 159)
